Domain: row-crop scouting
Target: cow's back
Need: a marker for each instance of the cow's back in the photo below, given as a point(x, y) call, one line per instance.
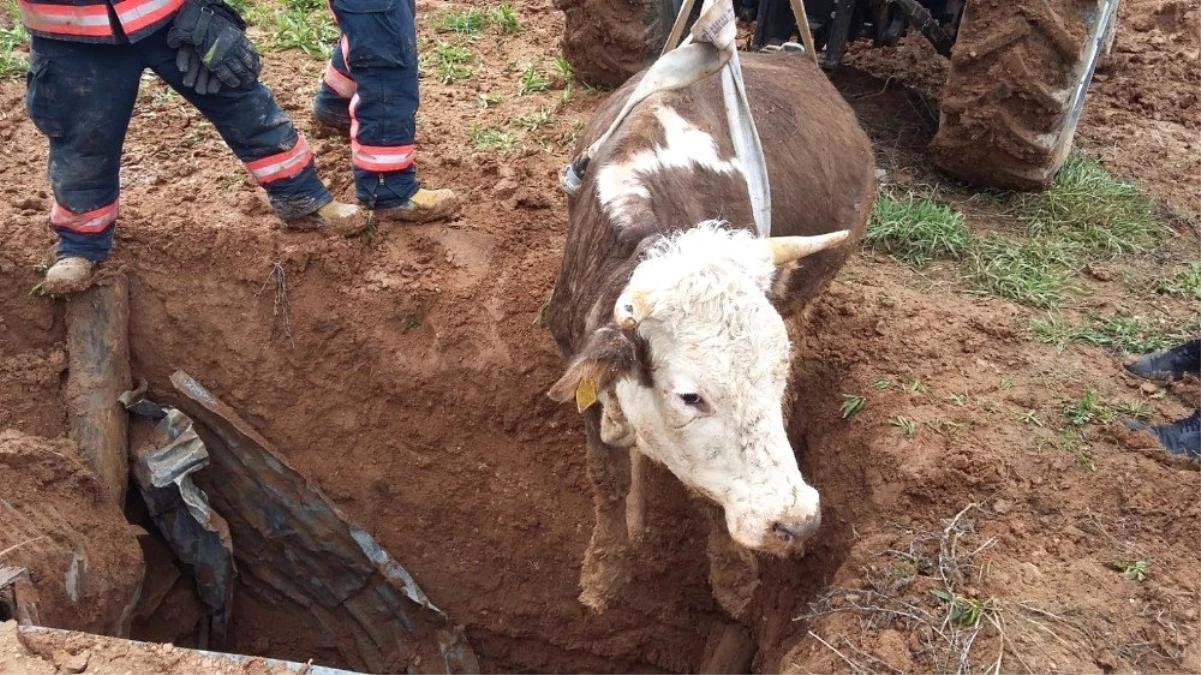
point(819, 162)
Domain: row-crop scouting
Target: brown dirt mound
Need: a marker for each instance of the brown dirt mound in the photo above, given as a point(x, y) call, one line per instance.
point(50, 653)
point(82, 556)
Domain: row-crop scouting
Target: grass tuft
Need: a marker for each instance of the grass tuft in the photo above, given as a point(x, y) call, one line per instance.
point(298, 24)
point(534, 120)
point(468, 21)
point(1033, 272)
point(491, 138)
point(449, 62)
point(915, 229)
point(1090, 408)
point(1185, 283)
point(1087, 206)
point(532, 80)
point(1119, 333)
point(13, 63)
point(504, 17)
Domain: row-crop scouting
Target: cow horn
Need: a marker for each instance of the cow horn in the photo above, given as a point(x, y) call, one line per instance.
point(790, 249)
point(631, 308)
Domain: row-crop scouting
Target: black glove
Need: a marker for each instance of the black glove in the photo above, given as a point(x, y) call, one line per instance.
point(196, 75)
point(218, 36)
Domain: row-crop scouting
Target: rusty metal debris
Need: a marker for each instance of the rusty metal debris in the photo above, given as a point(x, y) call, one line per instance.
point(292, 543)
point(162, 469)
point(18, 598)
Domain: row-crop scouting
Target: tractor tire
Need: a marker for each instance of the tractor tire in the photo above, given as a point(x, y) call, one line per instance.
point(1015, 91)
point(608, 41)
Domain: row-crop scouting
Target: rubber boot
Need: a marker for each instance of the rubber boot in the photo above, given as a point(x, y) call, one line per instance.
point(1182, 437)
point(1170, 363)
point(338, 217)
point(68, 275)
point(423, 207)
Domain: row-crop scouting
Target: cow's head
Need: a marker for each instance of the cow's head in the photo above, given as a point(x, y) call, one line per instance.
point(693, 369)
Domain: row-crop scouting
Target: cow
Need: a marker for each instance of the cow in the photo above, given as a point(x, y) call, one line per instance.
point(672, 311)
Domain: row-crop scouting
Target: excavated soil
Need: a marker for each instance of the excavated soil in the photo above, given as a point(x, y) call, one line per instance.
point(405, 373)
point(81, 553)
point(47, 653)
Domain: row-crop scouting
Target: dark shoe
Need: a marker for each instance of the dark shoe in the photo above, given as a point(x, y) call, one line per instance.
point(1182, 437)
point(1170, 363)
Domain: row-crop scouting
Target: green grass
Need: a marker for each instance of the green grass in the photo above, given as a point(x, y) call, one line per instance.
point(915, 229)
point(1090, 408)
point(1085, 214)
point(563, 69)
point(504, 17)
point(534, 120)
point(532, 80)
point(1134, 570)
point(1028, 417)
point(490, 138)
point(475, 19)
point(448, 62)
point(13, 64)
point(468, 21)
point(1119, 333)
point(1185, 283)
point(906, 425)
point(1033, 272)
point(851, 405)
point(1087, 206)
point(296, 24)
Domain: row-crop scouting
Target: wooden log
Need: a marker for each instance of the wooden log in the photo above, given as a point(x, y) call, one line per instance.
point(98, 373)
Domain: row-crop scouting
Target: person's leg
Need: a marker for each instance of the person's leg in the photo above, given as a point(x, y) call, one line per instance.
point(331, 107)
point(81, 97)
point(380, 52)
point(261, 134)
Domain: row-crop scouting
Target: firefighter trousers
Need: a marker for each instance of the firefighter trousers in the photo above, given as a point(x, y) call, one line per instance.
point(81, 97)
point(371, 82)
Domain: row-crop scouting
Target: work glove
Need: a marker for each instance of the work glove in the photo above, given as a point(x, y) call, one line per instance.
point(218, 39)
point(196, 76)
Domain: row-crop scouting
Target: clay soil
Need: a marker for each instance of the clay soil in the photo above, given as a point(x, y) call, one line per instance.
point(405, 373)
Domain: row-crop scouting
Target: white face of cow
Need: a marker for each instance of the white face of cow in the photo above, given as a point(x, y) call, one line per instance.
point(696, 366)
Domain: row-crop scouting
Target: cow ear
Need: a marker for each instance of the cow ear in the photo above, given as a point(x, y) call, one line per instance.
point(608, 356)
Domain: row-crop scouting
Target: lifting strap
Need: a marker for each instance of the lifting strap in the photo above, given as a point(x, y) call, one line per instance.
point(709, 48)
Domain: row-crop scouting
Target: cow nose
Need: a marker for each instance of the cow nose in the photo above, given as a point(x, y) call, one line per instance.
point(790, 533)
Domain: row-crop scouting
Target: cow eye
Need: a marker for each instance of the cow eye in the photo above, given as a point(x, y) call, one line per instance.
point(693, 400)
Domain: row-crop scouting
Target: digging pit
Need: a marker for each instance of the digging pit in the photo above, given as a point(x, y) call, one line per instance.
point(447, 452)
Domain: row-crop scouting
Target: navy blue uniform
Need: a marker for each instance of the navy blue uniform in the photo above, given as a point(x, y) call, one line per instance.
point(371, 83)
point(86, 61)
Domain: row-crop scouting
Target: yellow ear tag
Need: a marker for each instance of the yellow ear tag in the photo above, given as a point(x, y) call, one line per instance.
point(585, 395)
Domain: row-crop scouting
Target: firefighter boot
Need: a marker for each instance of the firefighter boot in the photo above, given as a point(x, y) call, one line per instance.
point(423, 207)
point(341, 218)
point(70, 274)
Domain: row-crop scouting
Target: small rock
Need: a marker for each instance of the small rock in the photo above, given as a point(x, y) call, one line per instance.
point(71, 663)
point(504, 188)
point(1099, 273)
point(1148, 388)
